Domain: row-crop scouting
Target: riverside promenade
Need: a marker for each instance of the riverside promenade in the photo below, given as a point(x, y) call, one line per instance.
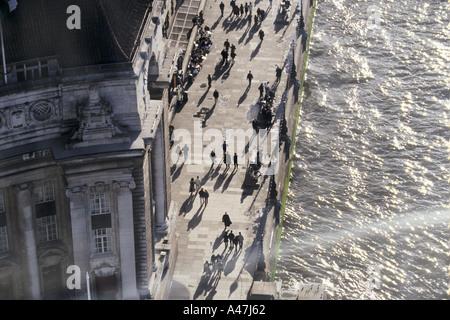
point(254, 211)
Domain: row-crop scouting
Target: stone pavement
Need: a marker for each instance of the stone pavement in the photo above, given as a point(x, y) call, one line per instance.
point(198, 227)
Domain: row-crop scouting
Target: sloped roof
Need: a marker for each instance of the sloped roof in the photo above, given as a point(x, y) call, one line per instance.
point(109, 31)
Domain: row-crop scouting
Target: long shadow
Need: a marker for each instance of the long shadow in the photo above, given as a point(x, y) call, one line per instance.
point(216, 172)
point(195, 220)
point(187, 205)
point(216, 23)
point(209, 114)
point(220, 69)
point(202, 98)
point(252, 32)
point(244, 96)
point(256, 51)
point(177, 173)
point(231, 264)
point(227, 182)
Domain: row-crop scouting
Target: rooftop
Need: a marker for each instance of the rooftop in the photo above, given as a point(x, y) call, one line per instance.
point(37, 28)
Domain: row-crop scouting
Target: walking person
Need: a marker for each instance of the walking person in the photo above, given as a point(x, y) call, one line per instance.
point(240, 238)
point(236, 243)
point(235, 159)
point(209, 81)
point(225, 239)
point(231, 239)
point(261, 90)
point(222, 7)
point(216, 95)
point(226, 44)
point(278, 73)
point(213, 157)
point(201, 194)
point(232, 55)
point(246, 8)
point(198, 182)
point(219, 266)
point(227, 160)
point(226, 220)
point(206, 268)
point(261, 34)
point(249, 78)
point(192, 186)
point(241, 9)
point(205, 197)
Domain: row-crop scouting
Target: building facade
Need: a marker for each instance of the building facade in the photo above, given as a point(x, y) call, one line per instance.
point(83, 149)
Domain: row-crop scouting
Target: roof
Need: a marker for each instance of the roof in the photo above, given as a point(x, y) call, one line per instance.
point(109, 31)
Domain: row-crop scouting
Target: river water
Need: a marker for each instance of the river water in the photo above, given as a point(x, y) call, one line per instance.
point(368, 207)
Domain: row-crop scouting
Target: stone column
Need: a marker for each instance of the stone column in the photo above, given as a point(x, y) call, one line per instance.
point(159, 190)
point(80, 236)
point(26, 226)
point(126, 237)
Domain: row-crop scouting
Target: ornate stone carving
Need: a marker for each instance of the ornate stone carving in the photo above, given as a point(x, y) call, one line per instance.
point(96, 124)
point(76, 189)
point(124, 184)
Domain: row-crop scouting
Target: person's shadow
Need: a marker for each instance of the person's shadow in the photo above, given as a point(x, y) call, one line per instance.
point(196, 218)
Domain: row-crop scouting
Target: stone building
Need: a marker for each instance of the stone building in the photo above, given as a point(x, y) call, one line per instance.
point(83, 148)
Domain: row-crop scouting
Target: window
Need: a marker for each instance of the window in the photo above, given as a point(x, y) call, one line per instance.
point(102, 240)
point(46, 228)
point(4, 247)
point(44, 192)
point(45, 206)
point(32, 71)
point(100, 208)
point(100, 203)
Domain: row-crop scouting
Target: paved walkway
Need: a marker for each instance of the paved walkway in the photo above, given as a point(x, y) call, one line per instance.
point(199, 227)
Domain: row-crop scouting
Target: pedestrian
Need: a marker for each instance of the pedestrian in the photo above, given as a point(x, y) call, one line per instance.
point(224, 146)
point(250, 77)
point(250, 8)
point(227, 160)
point(219, 266)
point(261, 90)
point(240, 238)
point(236, 242)
point(198, 182)
point(233, 48)
point(267, 87)
point(213, 157)
point(216, 95)
point(225, 239)
point(192, 186)
point(226, 44)
point(256, 19)
point(226, 220)
point(222, 7)
point(235, 159)
point(206, 268)
point(246, 8)
point(209, 81)
point(278, 73)
point(224, 54)
point(206, 196)
point(231, 239)
point(201, 194)
point(261, 34)
point(236, 10)
point(233, 55)
point(213, 259)
point(241, 8)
